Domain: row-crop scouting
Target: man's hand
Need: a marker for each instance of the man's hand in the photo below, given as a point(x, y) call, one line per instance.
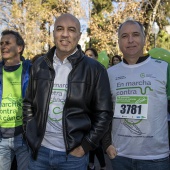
point(111, 152)
point(78, 152)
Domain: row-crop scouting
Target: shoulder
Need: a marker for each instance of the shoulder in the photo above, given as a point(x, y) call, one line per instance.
point(159, 65)
point(38, 61)
point(114, 68)
point(159, 62)
point(1, 63)
point(92, 63)
point(26, 64)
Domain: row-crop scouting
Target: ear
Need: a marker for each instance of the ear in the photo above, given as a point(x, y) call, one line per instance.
point(80, 35)
point(20, 48)
point(145, 40)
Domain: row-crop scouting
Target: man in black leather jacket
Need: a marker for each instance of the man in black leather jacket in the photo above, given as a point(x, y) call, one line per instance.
point(67, 108)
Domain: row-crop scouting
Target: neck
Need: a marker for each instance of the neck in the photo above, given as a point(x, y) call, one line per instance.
point(61, 57)
point(12, 62)
point(131, 61)
point(62, 54)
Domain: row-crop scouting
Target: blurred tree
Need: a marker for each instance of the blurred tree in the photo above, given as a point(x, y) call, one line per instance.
point(100, 32)
point(34, 20)
point(155, 10)
point(105, 20)
point(163, 40)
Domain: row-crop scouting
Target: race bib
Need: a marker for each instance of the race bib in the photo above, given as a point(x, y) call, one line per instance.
point(133, 107)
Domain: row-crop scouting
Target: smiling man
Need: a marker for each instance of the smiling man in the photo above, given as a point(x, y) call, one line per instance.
point(140, 87)
point(67, 108)
point(131, 41)
point(14, 75)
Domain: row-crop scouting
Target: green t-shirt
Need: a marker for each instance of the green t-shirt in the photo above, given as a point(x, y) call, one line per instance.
point(11, 105)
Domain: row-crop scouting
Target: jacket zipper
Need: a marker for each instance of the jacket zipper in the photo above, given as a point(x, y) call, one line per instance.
point(48, 99)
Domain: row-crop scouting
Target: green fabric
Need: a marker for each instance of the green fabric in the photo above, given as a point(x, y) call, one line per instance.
point(11, 106)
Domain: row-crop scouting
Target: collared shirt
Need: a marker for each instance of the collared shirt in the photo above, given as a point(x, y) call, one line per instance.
point(140, 59)
point(53, 138)
point(58, 61)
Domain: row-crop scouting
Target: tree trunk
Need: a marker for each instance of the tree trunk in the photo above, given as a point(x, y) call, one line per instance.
point(152, 19)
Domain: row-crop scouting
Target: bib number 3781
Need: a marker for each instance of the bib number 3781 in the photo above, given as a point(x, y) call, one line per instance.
point(134, 107)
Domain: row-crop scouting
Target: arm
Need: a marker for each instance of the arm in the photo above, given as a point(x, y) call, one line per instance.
point(107, 138)
point(101, 111)
point(107, 144)
point(27, 103)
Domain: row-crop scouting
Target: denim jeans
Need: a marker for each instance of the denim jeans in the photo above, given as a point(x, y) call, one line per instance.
point(123, 163)
point(9, 148)
point(48, 159)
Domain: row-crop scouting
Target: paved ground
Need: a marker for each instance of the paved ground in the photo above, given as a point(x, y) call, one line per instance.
point(108, 164)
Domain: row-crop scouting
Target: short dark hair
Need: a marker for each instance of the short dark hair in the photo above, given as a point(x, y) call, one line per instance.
point(132, 22)
point(19, 39)
point(36, 57)
point(93, 50)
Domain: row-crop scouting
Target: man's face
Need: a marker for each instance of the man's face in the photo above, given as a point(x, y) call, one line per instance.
point(9, 49)
point(66, 35)
point(131, 40)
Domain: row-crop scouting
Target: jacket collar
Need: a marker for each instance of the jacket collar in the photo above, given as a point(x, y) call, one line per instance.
point(74, 59)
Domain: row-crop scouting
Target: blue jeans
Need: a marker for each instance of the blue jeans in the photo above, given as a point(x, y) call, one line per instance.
point(123, 163)
point(48, 159)
point(9, 148)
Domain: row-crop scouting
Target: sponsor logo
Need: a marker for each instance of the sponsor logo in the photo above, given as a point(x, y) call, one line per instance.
point(121, 77)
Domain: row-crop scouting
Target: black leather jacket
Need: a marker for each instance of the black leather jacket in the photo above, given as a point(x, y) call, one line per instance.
point(87, 111)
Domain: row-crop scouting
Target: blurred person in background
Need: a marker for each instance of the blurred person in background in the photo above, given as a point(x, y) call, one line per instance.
point(36, 57)
point(116, 59)
point(92, 53)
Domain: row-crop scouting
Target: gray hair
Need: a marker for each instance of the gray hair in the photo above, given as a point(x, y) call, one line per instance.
point(132, 22)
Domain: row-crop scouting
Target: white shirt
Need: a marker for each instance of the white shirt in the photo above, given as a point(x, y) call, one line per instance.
point(143, 139)
point(53, 138)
